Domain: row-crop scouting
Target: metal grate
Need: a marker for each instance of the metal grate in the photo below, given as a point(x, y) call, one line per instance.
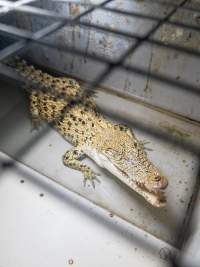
point(19, 39)
point(26, 38)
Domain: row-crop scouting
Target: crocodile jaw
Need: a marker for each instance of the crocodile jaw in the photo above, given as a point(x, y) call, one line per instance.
point(155, 198)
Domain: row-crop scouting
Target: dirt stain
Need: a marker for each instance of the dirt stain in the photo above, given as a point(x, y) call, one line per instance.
point(173, 130)
point(70, 261)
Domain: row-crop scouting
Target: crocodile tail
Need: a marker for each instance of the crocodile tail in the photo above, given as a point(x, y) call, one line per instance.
point(32, 74)
point(64, 87)
point(58, 86)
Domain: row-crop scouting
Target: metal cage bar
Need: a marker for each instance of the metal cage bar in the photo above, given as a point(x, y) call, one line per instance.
point(49, 29)
point(27, 38)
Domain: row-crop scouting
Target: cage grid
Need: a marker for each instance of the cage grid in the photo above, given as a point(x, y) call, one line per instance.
point(26, 37)
point(23, 39)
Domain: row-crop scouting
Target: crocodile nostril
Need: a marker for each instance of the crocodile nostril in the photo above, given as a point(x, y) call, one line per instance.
point(161, 181)
point(157, 178)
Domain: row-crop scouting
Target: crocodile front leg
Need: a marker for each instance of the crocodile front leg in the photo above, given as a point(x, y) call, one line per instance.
point(72, 160)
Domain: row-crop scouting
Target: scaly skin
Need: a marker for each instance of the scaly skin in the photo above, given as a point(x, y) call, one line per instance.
point(66, 88)
point(113, 147)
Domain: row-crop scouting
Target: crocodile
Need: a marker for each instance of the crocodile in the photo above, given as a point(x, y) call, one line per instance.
point(112, 146)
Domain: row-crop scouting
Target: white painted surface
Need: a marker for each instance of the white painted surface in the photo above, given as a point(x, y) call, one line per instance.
point(62, 228)
point(190, 255)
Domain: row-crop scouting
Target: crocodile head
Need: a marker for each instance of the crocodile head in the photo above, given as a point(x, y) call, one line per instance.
point(129, 162)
